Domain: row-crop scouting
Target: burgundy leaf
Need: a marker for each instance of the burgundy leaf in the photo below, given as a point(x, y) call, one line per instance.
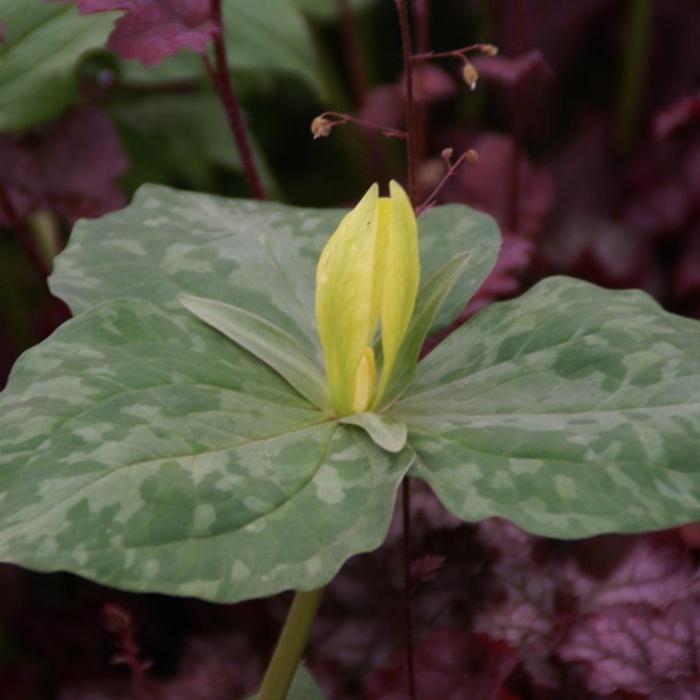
point(513, 258)
point(513, 71)
point(426, 569)
point(637, 648)
point(486, 185)
point(152, 30)
point(69, 167)
point(680, 113)
point(451, 664)
point(385, 103)
point(430, 84)
point(653, 571)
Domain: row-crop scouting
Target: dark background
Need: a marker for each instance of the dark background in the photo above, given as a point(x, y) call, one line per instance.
point(588, 135)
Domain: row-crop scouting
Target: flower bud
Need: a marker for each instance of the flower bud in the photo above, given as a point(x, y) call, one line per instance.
point(447, 153)
point(321, 127)
point(489, 49)
point(470, 75)
point(471, 156)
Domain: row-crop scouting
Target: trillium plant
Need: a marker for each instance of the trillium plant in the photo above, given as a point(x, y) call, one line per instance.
point(240, 394)
point(234, 405)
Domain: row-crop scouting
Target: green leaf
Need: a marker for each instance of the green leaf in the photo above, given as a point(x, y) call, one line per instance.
point(328, 10)
point(260, 256)
point(430, 299)
point(183, 138)
point(261, 36)
point(385, 432)
point(44, 43)
point(266, 341)
point(144, 450)
point(571, 411)
point(303, 687)
point(141, 448)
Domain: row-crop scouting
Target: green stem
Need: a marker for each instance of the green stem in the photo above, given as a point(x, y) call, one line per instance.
point(633, 70)
point(290, 645)
point(47, 234)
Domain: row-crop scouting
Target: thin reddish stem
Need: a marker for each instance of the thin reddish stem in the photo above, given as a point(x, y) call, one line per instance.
point(488, 49)
point(408, 587)
point(406, 47)
point(515, 96)
point(23, 234)
point(469, 156)
point(411, 167)
point(421, 15)
point(339, 118)
point(119, 621)
point(221, 79)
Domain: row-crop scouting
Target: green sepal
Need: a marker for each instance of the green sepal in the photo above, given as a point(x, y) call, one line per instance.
point(386, 432)
point(431, 297)
point(266, 341)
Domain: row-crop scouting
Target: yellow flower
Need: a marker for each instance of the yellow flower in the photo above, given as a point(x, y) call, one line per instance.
point(367, 278)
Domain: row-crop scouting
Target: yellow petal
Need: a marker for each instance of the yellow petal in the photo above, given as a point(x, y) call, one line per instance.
point(348, 298)
point(364, 381)
point(400, 275)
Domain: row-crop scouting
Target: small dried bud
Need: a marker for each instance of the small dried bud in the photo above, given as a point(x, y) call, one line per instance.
point(489, 49)
point(321, 127)
point(471, 156)
point(470, 75)
point(447, 153)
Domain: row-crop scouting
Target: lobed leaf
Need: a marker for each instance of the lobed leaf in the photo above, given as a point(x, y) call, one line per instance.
point(571, 411)
point(261, 256)
point(142, 449)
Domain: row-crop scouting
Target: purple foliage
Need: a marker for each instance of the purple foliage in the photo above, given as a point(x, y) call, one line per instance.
point(152, 30)
point(70, 167)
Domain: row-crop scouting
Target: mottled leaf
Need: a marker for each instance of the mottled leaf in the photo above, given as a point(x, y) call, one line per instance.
point(570, 411)
point(260, 256)
point(143, 449)
point(44, 43)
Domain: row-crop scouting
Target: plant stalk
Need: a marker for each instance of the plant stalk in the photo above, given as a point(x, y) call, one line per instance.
point(411, 167)
point(23, 234)
point(221, 79)
point(290, 645)
point(406, 47)
point(635, 60)
point(407, 586)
